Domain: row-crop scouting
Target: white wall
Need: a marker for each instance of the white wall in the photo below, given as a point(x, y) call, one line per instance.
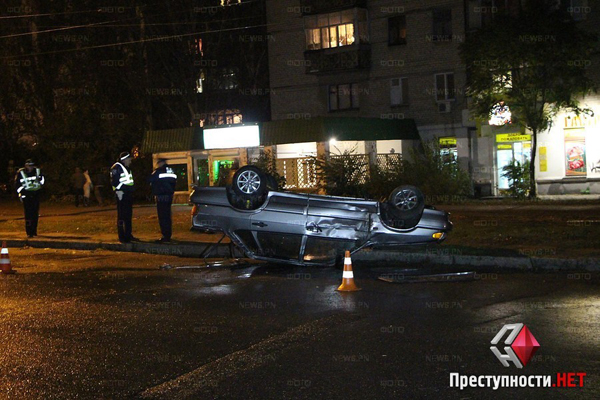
point(339, 147)
point(297, 150)
point(385, 146)
point(554, 141)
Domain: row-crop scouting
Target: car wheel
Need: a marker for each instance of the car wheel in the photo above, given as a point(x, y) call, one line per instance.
point(249, 181)
point(406, 205)
point(243, 202)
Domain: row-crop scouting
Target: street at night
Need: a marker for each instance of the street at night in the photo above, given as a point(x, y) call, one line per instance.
point(115, 325)
point(300, 199)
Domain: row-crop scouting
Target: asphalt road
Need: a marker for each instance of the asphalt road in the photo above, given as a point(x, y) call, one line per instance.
point(110, 325)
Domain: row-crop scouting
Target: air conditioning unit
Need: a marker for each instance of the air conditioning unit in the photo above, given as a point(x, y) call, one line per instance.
point(445, 107)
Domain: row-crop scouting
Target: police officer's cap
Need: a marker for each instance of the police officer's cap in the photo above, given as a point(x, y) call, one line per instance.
point(29, 161)
point(124, 155)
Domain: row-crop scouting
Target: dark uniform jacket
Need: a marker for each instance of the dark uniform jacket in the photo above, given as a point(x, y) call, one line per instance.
point(163, 181)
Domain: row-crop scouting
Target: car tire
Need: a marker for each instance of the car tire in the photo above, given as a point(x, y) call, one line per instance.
point(249, 181)
point(242, 202)
point(405, 206)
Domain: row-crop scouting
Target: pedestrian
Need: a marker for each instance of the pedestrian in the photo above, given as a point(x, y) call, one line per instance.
point(122, 184)
point(163, 181)
point(28, 181)
point(77, 183)
point(87, 188)
point(99, 185)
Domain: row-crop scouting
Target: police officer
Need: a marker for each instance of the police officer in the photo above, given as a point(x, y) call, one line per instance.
point(29, 181)
point(122, 184)
point(163, 181)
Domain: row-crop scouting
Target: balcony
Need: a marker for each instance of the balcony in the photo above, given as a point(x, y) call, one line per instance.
point(324, 6)
point(338, 59)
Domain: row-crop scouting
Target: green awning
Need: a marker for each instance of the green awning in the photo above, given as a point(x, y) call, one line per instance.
point(172, 140)
point(322, 129)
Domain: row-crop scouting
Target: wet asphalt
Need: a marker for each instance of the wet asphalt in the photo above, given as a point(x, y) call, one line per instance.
point(278, 332)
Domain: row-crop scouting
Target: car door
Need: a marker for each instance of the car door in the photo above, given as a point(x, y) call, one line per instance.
point(279, 227)
point(334, 225)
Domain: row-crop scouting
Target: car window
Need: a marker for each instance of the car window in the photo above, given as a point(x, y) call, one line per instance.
point(321, 249)
point(248, 239)
point(279, 245)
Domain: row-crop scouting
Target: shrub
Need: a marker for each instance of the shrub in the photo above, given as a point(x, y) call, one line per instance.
point(267, 162)
point(438, 176)
point(518, 178)
point(343, 175)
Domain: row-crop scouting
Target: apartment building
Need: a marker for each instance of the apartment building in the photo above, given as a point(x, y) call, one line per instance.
point(399, 60)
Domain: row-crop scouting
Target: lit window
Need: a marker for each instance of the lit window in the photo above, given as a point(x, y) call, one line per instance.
point(333, 30)
point(224, 117)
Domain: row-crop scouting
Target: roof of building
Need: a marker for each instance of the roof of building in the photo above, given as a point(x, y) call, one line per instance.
point(172, 140)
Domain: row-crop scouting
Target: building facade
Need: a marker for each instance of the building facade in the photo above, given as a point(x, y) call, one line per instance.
point(400, 60)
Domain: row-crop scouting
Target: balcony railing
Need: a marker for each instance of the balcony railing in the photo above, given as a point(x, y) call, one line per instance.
point(324, 6)
point(338, 59)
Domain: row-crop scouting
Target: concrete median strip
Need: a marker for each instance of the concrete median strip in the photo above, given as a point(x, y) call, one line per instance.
point(223, 250)
point(181, 250)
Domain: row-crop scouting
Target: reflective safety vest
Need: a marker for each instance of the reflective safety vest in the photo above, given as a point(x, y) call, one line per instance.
point(31, 183)
point(126, 177)
point(168, 174)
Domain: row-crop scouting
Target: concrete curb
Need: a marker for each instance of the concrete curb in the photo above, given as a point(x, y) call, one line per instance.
point(180, 250)
point(223, 250)
point(509, 263)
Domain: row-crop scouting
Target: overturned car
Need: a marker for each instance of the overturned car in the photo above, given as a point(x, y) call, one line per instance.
point(307, 229)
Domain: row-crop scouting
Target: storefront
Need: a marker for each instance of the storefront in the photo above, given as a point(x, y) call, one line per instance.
point(569, 154)
point(510, 147)
point(205, 156)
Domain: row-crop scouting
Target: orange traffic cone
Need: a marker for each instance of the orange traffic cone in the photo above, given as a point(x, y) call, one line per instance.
point(5, 260)
point(348, 276)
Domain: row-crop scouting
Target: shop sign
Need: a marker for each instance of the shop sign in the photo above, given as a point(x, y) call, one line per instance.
point(504, 146)
point(581, 121)
point(512, 137)
point(231, 137)
point(543, 159)
point(448, 141)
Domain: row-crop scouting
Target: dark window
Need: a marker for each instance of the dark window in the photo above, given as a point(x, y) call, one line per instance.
point(343, 97)
point(444, 87)
point(248, 239)
point(397, 30)
point(577, 8)
point(318, 249)
point(442, 25)
point(399, 91)
point(279, 245)
point(182, 179)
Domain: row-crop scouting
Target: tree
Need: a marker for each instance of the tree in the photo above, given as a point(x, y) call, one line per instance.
point(531, 61)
